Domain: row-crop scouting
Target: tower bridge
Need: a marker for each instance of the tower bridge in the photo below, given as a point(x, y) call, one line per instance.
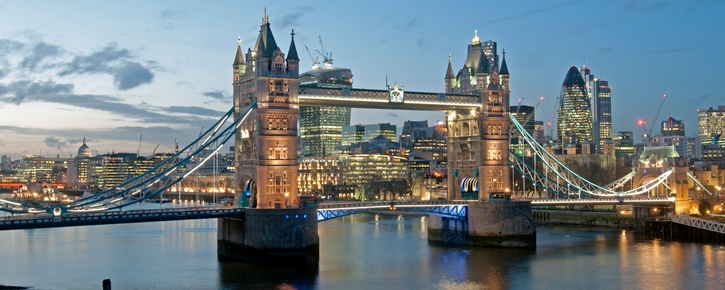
point(263, 122)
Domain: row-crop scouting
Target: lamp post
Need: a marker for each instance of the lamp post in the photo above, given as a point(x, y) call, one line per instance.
point(718, 192)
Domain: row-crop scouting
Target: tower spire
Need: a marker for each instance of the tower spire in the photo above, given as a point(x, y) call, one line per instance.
point(239, 58)
point(504, 67)
point(265, 19)
point(449, 72)
point(292, 53)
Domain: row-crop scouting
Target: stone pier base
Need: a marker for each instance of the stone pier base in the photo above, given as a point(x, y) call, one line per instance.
point(271, 236)
point(489, 224)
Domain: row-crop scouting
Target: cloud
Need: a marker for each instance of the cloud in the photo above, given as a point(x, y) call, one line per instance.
point(293, 18)
point(172, 14)
point(51, 92)
point(413, 23)
point(18, 91)
point(194, 110)
point(218, 95)
point(40, 51)
point(131, 75)
point(127, 74)
point(392, 115)
point(54, 142)
point(8, 46)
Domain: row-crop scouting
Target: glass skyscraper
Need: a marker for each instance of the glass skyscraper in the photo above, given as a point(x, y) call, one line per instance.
point(600, 97)
point(321, 127)
point(575, 114)
point(711, 125)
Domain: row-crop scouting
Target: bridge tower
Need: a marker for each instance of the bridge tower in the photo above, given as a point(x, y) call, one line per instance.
point(266, 144)
point(478, 139)
point(273, 230)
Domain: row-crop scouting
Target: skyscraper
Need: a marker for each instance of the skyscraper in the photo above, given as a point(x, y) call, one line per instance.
point(673, 127)
point(600, 97)
point(711, 125)
point(575, 114)
point(321, 127)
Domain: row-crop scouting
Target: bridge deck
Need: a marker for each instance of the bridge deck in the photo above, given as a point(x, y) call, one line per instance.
point(116, 217)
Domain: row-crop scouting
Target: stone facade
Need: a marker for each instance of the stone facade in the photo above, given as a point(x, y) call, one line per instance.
point(478, 139)
point(266, 143)
point(489, 224)
point(271, 236)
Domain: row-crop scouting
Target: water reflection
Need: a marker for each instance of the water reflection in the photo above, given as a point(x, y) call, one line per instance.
point(240, 275)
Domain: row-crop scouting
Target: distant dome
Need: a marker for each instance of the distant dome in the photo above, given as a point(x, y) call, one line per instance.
point(84, 150)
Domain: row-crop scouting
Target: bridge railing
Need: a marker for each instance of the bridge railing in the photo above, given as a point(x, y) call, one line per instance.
point(699, 223)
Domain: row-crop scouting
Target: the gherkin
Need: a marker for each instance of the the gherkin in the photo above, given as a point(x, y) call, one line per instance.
point(575, 115)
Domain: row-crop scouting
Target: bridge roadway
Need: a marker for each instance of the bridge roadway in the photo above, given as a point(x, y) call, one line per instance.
point(325, 211)
point(118, 217)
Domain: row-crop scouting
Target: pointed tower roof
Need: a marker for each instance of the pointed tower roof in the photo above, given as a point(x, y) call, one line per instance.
point(265, 44)
point(504, 69)
point(449, 72)
point(482, 64)
point(292, 54)
point(239, 59)
point(573, 78)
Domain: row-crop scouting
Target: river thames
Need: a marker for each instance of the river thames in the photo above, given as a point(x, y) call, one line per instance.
point(363, 251)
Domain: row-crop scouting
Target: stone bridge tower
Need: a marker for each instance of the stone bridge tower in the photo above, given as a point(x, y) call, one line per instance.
point(266, 143)
point(478, 140)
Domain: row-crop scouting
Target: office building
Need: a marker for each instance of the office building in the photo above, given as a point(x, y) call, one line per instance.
point(672, 127)
point(575, 114)
point(321, 127)
point(600, 98)
point(711, 125)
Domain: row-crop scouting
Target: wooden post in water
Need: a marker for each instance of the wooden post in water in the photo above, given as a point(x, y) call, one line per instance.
point(106, 284)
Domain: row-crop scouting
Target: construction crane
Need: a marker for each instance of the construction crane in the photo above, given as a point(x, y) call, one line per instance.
point(326, 56)
point(541, 100)
point(315, 63)
point(553, 114)
point(157, 147)
point(518, 107)
point(138, 152)
point(648, 131)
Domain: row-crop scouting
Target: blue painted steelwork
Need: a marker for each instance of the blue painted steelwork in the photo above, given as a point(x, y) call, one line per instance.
point(452, 209)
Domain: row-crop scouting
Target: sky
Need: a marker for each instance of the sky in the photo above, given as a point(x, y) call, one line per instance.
point(115, 70)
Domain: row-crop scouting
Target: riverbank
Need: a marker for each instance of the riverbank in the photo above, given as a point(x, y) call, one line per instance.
point(585, 218)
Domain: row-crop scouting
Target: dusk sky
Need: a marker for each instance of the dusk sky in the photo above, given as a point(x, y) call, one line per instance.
point(114, 70)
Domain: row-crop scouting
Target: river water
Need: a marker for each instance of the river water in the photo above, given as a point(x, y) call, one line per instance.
point(356, 252)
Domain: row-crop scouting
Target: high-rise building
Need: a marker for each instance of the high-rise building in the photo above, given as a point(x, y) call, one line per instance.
point(575, 114)
point(600, 97)
point(385, 129)
point(525, 116)
point(711, 125)
point(352, 134)
point(321, 127)
point(672, 127)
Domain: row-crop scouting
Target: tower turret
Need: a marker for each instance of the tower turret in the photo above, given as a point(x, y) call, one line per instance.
point(450, 77)
point(504, 73)
point(293, 61)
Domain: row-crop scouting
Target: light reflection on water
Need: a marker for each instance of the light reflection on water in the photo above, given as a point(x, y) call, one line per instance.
point(356, 252)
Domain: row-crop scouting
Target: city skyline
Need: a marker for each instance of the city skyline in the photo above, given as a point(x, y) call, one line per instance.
point(112, 72)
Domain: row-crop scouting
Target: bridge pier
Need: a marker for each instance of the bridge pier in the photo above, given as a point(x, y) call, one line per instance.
point(271, 236)
point(488, 224)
